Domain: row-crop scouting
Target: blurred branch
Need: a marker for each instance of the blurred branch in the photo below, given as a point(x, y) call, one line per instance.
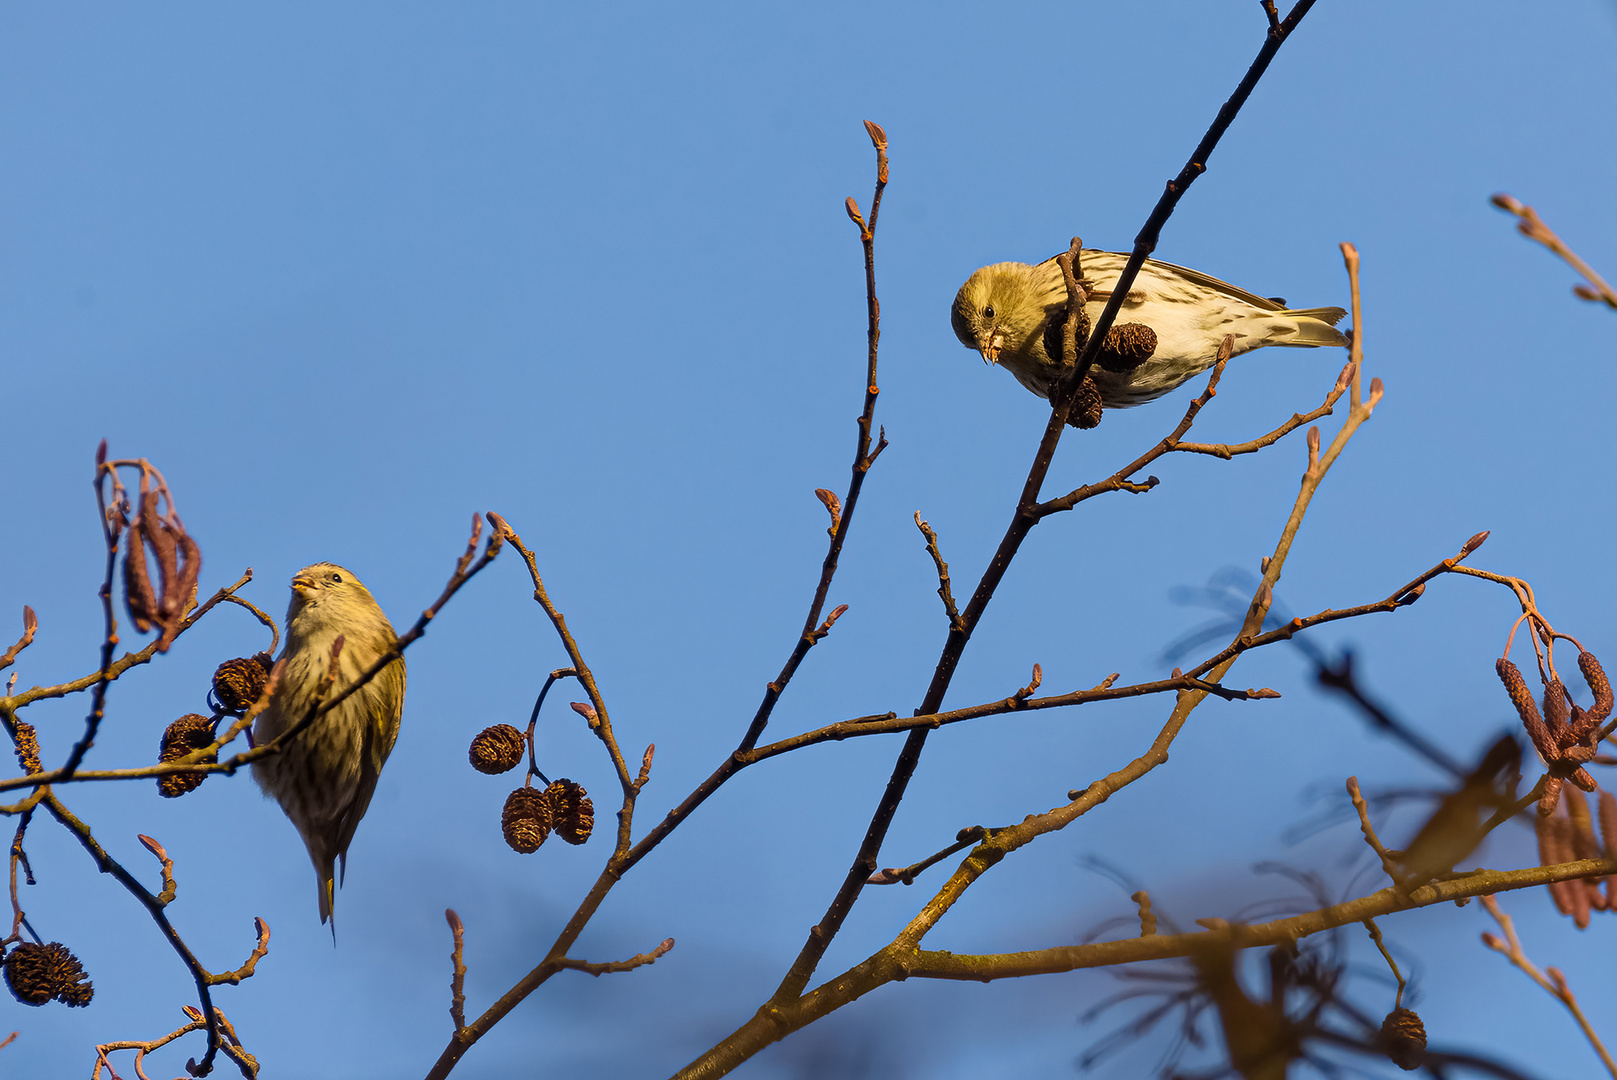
point(1388, 863)
point(1555, 984)
point(1533, 227)
point(903, 959)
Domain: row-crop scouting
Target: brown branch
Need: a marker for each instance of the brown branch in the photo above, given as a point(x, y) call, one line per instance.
point(944, 590)
point(154, 907)
point(10, 704)
point(602, 724)
point(275, 631)
point(1533, 227)
point(30, 623)
point(1555, 984)
point(637, 960)
point(465, 570)
point(903, 959)
point(890, 722)
point(1375, 936)
point(864, 865)
point(863, 455)
point(623, 856)
point(19, 856)
point(141, 1048)
point(907, 875)
point(170, 889)
point(248, 969)
point(109, 640)
point(1119, 481)
point(1146, 241)
point(457, 975)
point(1388, 863)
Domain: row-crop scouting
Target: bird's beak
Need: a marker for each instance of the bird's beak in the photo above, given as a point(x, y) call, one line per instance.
point(303, 586)
point(990, 351)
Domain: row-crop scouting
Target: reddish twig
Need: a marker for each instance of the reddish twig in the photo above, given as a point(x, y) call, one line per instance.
point(1555, 984)
point(1532, 226)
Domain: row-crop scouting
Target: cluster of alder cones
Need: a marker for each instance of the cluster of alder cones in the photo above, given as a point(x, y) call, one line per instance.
point(38, 973)
point(1568, 737)
point(237, 684)
point(530, 813)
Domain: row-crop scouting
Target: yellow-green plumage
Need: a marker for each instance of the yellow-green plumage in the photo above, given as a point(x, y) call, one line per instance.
point(1003, 311)
point(324, 778)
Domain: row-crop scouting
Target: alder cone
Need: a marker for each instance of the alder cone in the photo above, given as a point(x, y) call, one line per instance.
point(1086, 407)
point(1127, 346)
point(526, 819)
point(237, 683)
point(37, 973)
point(497, 749)
point(571, 811)
point(1403, 1039)
point(190, 732)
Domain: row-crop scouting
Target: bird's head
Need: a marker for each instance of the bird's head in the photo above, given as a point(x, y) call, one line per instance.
point(998, 310)
point(328, 593)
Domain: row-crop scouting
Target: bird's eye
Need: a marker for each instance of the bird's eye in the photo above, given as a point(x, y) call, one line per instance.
point(988, 312)
point(336, 579)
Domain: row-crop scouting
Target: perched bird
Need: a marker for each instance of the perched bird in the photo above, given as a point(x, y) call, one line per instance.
point(1012, 313)
point(325, 777)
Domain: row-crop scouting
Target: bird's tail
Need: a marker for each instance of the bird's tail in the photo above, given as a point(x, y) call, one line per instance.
point(328, 895)
point(1314, 327)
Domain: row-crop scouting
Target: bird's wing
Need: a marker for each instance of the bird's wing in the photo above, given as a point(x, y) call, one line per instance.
point(1103, 267)
point(386, 707)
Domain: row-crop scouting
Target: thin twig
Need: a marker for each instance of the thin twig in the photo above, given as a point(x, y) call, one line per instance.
point(1375, 936)
point(248, 969)
point(1555, 984)
point(602, 725)
point(30, 624)
point(154, 907)
point(864, 456)
point(1533, 227)
point(907, 875)
point(1025, 517)
point(170, 889)
point(457, 976)
point(944, 591)
point(1388, 863)
point(608, 967)
point(275, 630)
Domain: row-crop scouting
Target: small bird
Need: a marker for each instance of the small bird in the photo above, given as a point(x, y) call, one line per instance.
point(1012, 313)
point(325, 777)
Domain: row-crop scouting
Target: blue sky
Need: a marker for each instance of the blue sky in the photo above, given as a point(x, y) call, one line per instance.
point(352, 273)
